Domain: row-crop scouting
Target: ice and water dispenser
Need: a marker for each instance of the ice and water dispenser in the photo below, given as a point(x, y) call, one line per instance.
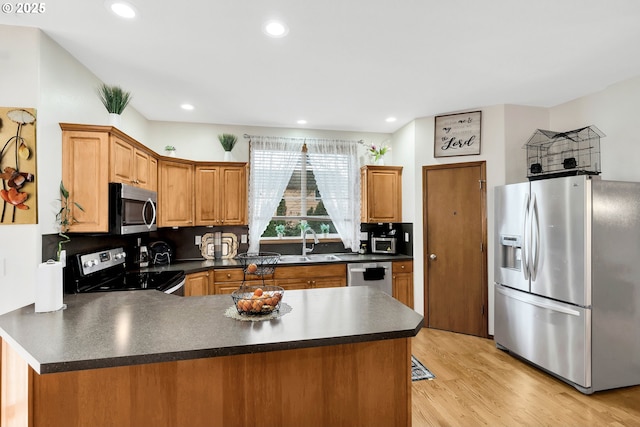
point(511, 252)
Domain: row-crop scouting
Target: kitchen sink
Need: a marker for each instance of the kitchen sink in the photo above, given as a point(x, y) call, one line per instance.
point(308, 258)
point(293, 258)
point(323, 257)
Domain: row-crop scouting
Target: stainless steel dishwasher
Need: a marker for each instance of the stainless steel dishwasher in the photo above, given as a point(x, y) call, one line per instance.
point(376, 274)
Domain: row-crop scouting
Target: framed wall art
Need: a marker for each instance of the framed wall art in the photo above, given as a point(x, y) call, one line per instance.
point(457, 134)
point(18, 195)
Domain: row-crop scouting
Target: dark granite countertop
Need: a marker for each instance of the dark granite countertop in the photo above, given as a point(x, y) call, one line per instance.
point(195, 266)
point(100, 330)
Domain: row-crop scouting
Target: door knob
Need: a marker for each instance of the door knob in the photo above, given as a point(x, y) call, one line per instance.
point(432, 256)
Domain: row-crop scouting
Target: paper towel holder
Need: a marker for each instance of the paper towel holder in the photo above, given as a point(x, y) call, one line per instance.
point(49, 287)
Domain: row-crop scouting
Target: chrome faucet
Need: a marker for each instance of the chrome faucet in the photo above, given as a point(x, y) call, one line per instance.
point(305, 249)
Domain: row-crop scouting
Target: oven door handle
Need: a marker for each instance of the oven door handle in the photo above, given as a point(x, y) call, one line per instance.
point(144, 211)
point(175, 288)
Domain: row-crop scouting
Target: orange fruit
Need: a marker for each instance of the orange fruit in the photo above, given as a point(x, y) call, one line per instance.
point(257, 306)
point(258, 292)
point(252, 268)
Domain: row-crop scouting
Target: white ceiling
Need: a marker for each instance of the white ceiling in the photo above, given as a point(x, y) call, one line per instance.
point(347, 64)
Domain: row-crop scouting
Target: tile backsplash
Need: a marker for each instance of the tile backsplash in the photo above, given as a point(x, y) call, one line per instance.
point(182, 241)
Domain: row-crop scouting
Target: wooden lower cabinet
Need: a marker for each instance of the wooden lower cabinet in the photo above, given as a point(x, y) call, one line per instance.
point(402, 273)
point(311, 276)
point(227, 280)
point(222, 391)
point(290, 278)
point(197, 284)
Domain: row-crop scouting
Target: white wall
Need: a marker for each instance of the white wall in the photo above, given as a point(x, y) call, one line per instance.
point(520, 124)
point(19, 244)
point(38, 73)
point(505, 130)
point(198, 141)
point(492, 151)
point(615, 112)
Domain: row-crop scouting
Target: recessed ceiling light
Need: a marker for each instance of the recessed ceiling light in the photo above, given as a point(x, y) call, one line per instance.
point(390, 119)
point(302, 122)
point(122, 8)
point(275, 29)
point(186, 107)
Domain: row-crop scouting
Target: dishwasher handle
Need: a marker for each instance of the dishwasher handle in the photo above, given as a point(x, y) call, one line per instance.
point(362, 270)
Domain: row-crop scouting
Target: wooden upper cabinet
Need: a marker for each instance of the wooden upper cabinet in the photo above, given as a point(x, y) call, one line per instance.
point(381, 193)
point(221, 194)
point(175, 194)
point(233, 195)
point(85, 174)
point(93, 156)
point(189, 193)
point(132, 165)
point(207, 193)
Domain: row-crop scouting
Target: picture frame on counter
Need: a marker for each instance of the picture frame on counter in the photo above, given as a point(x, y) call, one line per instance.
point(457, 134)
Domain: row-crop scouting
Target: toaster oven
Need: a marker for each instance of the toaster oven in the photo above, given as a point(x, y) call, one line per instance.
point(383, 245)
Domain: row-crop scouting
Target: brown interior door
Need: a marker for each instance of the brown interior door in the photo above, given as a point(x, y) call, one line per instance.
point(454, 202)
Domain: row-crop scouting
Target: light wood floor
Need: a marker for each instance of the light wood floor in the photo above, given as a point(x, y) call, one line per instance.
point(478, 385)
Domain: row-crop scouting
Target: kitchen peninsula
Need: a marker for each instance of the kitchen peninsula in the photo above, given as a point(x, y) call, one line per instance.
point(340, 356)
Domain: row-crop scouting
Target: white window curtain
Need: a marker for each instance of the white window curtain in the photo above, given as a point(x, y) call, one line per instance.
point(273, 160)
point(337, 173)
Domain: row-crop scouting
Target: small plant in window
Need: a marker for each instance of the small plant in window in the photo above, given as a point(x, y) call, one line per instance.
point(280, 230)
point(324, 229)
point(303, 226)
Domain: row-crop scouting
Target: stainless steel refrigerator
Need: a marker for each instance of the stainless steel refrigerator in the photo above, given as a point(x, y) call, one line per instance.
point(567, 278)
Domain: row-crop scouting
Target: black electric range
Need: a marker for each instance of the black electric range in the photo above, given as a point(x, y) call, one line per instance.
point(106, 271)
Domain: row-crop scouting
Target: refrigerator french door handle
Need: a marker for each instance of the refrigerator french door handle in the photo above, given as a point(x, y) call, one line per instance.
point(525, 257)
point(546, 305)
point(535, 220)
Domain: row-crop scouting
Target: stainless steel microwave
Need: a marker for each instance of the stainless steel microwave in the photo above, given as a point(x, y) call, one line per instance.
point(131, 209)
point(383, 245)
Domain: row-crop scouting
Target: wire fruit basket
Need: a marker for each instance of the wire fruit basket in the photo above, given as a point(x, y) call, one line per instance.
point(260, 263)
point(256, 300)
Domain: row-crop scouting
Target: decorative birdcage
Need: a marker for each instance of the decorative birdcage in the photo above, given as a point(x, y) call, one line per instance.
point(575, 152)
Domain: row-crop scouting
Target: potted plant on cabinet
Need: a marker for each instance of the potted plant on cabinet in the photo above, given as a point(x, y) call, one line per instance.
point(228, 141)
point(170, 150)
point(115, 100)
point(377, 153)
